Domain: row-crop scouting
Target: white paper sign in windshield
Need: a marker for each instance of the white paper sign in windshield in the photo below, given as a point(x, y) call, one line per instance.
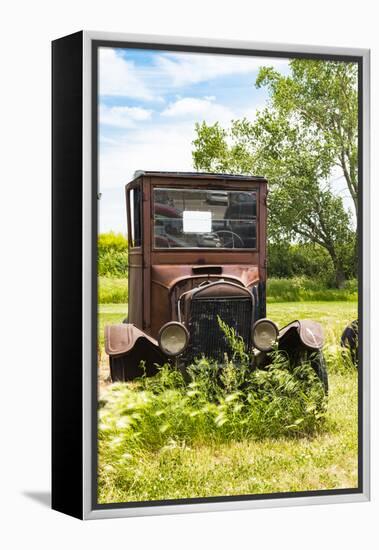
point(195, 221)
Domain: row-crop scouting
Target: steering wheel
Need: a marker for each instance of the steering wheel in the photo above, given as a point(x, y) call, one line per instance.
point(164, 242)
point(222, 233)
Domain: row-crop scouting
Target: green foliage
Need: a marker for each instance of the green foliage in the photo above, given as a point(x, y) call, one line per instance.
point(224, 402)
point(323, 97)
point(152, 415)
point(112, 255)
point(338, 360)
point(303, 289)
point(190, 463)
point(286, 260)
point(112, 290)
point(150, 412)
point(235, 342)
point(327, 460)
point(307, 129)
point(113, 264)
point(211, 152)
point(111, 241)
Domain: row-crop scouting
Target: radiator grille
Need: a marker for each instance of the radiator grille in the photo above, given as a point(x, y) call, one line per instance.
point(206, 337)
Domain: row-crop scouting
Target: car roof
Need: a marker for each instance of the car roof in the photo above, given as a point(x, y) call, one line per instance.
point(194, 175)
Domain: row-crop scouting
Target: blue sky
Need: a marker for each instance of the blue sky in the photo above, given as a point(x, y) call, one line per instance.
point(148, 105)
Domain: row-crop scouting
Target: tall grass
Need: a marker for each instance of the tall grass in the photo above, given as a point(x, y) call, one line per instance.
point(144, 418)
point(210, 403)
point(240, 428)
point(326, 460)
point(112, 290)
point(214, 406)
point(303, 289)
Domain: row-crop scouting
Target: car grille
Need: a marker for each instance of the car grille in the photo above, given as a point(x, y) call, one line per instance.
point(206, 336)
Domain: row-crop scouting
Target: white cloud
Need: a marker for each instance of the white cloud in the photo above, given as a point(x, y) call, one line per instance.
point(198, 109)
point(117, 76)
point(152, 145)
point(163, 147)
point(123, 117)
point(106, 140)
point(183, 69)
point(122, 76)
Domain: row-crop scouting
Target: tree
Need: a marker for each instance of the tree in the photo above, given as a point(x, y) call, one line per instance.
point(324, 97)
point(297, 153)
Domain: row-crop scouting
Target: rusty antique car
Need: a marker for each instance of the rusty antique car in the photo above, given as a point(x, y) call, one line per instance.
point(198, 252)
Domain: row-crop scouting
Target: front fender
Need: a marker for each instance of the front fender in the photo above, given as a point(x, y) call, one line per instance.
point(305, 333)
point(294, 338)
point(127, 346)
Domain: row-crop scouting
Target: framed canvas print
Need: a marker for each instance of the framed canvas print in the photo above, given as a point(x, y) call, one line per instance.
point(210, 275)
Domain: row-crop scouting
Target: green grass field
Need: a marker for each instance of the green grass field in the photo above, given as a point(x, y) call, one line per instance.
point(327, 460)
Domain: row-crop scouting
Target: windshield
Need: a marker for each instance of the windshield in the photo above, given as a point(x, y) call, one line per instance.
point(197, 218)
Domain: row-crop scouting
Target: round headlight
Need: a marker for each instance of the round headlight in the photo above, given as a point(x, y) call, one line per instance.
point(173, 338)
point(265, 334)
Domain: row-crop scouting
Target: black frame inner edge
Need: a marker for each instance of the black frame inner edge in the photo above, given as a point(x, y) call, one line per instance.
point(95, 45)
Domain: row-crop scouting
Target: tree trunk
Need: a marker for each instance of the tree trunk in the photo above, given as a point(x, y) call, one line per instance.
point(339, 272)
point(340, 277)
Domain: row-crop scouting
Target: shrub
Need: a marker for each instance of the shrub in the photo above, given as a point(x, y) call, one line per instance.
point(287, 260)
point(112, 251)
point(111, 241)
point(113, 264)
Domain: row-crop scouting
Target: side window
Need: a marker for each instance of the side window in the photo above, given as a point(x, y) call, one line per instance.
point(135, 216)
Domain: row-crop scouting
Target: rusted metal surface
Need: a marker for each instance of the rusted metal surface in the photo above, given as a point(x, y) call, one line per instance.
point(121, 338)
point(157, 275)
point(310, 333)
point(127, 346)
point(196, 281)
point(170, 275)
point(196, 175)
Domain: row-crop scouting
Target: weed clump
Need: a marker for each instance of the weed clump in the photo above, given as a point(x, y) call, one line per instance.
point(211, 404)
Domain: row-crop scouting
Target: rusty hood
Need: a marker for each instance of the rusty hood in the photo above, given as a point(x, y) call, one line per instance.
point(169, 275)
